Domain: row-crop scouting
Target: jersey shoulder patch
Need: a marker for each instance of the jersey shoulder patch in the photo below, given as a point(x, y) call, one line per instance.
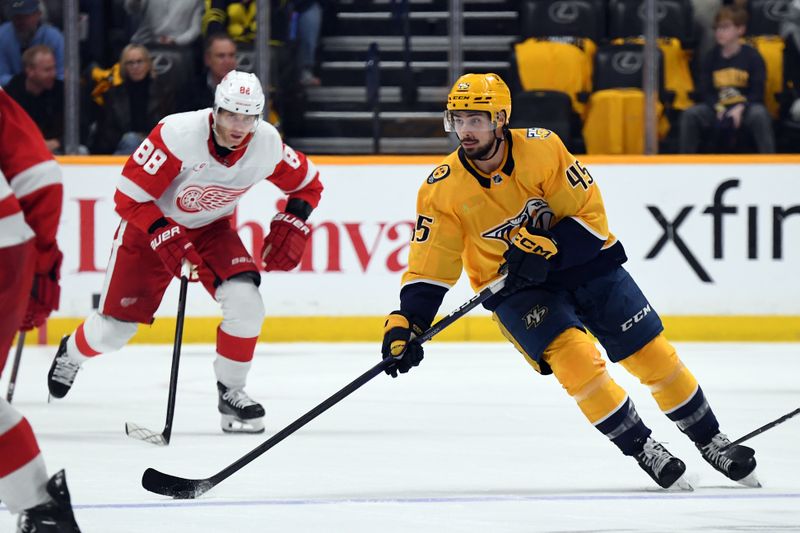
point(538, 133)
point(438, 174)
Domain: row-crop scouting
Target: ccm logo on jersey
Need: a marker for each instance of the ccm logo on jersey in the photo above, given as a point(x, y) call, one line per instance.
point(439, 173)
point(538, 133)
point(628, 324)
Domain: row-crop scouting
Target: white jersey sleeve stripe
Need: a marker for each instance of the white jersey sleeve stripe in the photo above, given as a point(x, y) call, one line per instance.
point(130, 189)
point(311, 173)
point(14, 230)
point(36, 177)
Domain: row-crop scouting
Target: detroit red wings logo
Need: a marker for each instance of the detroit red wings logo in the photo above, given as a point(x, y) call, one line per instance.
point(195, 198)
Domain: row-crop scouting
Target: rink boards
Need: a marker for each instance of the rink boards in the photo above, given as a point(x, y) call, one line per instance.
point(713, 241)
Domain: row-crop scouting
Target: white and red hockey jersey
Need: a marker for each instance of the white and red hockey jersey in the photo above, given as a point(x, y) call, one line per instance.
point(31, 191)
point(177, 173)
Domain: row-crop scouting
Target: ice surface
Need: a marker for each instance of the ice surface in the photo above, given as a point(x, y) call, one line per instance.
point(473, 440)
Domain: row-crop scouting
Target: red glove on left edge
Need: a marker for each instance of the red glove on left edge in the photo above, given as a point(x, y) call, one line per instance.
point(45, 293)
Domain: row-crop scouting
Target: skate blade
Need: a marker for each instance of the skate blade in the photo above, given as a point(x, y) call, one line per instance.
point(231, 424)
point(680, 485)
point(750, 480)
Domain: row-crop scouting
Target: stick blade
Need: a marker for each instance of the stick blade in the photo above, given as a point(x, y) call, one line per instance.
point(142, 433)
point(173, 486)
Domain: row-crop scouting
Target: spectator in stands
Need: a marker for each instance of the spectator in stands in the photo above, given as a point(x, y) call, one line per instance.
point(237, 18)
point(732, 92)
point(133, 108)
point(26, 29)
point(219, 59)
point(166, 22)
point(790, 31)
point(39, 93)
point(309, 22)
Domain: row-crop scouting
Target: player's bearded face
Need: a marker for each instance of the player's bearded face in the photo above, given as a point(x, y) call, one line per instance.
point(476, 132)
point(232, 129)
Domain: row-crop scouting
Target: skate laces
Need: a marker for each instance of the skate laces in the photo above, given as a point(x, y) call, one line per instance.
point(65, 370)
point(654, 456)
point(238, 398)
point(713, 451)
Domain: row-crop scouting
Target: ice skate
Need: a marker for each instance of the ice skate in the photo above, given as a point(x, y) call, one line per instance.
point(665, 469)
point(240, 413)
point(736, 462)
point(54, 516)
point(62, 372)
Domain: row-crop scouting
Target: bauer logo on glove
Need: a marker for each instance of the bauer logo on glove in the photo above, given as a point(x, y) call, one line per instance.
point(286, 242)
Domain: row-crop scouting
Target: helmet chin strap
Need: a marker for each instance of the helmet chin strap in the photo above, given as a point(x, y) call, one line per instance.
point(497, 142)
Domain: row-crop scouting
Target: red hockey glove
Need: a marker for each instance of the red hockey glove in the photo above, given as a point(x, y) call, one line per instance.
point(285, 244)
point(45, 293)
point(173, 247)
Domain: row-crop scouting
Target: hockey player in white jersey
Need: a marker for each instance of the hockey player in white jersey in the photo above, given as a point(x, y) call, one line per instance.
point(176, 196)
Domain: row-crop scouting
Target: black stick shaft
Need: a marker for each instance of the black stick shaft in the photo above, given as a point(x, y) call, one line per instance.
point(473, 302)
point(176, 358)
point(765, 427)
point(12, 381)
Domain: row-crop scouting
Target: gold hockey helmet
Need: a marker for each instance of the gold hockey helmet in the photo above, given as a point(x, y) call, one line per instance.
point(478, 92)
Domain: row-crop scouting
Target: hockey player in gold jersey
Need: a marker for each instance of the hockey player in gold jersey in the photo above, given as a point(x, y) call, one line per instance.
point(518, 198)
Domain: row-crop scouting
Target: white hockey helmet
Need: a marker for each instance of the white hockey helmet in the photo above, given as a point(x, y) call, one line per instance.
point(240, 92)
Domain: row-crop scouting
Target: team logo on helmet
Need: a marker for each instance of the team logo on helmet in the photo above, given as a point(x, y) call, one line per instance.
point(194, 198)
point(463, 86)
point(439, 173)
point(536, 210)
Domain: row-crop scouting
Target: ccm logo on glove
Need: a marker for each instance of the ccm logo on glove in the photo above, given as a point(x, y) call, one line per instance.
point(535, 243)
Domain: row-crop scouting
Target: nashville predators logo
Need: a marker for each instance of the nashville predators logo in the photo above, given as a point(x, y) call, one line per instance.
point(439, 173)
point(195, 198)
point(463, 86)
point(535, 316)
point(538, 133)
point(535, 210)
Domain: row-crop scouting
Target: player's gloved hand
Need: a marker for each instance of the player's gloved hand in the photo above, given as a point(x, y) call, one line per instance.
point(528, 259)
point(399, 344)
point(286, 242)
point(170, 242)
point(46, 291)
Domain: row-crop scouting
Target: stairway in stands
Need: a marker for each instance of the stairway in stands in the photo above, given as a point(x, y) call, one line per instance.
point(338, 119)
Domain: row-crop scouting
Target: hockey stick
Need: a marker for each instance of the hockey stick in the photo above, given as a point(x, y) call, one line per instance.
point(764, 428)
point(12, 382)
point(182, 488)
point(162, 439)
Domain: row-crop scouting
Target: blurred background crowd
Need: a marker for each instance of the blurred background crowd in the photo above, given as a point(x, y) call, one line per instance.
point(371, 76)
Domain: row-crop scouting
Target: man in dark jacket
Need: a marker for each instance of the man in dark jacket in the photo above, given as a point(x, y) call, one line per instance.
point(40, 94)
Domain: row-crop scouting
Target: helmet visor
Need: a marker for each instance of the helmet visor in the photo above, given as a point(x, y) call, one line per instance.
point(230, 120)
point(460, 121)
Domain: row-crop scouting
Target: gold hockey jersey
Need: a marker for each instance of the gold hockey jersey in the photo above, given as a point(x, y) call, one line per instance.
point(466, 219)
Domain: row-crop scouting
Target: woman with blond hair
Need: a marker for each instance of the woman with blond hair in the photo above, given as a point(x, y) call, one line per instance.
point(133, 108)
